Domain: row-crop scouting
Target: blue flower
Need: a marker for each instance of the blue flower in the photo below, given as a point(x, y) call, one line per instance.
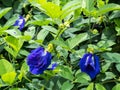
point(89, 64)
point(39, 60)
point(54, 65)
point(20, 22)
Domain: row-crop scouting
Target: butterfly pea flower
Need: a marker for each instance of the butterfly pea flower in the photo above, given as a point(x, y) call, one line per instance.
point(20, 22)
point(38, 60)
point(54, 65)
point(89, 64)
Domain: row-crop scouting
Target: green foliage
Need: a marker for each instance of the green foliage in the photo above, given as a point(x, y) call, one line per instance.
point(9, 77)
point(69, 29)
point(66, 73)
point(5, 67)
point(15, 43)
point(67, 86)
point(116, 87)
point(4, 11)
point(72, 42)
point(99, 87)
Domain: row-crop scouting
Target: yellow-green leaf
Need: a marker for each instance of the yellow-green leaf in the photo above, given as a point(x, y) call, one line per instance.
point(5, 67)
point(9, 77)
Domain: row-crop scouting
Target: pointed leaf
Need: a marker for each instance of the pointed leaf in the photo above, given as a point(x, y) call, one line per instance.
point(38, 22)
point(60, 42)
point(9, 77)
point(90, 87)
point(15, 43)
point(42, 35)
point(4, 11)
point(66, 72)
point(72, 42)
point(5, 67)
point(108, 7)
point(99, 87)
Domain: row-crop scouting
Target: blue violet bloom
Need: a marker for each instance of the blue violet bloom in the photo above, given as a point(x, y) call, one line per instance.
point(39, 60)
point(20, 23)
point(89, 64)
point(54, 65)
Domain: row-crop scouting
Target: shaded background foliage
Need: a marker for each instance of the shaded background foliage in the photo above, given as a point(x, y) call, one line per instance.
point(84, 30)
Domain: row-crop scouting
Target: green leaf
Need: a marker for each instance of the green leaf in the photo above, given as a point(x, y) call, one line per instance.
point(4, 11)
point(70, 7)
point(18, 89)
point(106, 67)
point(13, 32)
point(9, 77)
point(60, 42)
point(116, 87)
point(26, 37)
point(118, 30)
point(24, 52)
point(11, 21)
point(118, 67)
point(82, 78)
point(56, 2)
point(30, 32)
point(108, 7)
point(37, 1)
point(5, 67)
point(99, 87)
point(105, 45)
point(67, 86)
point(11, 51)
point(50, 28)
point(38, 22)
point(117, 22)
point(2, 84)
point(109, 75)
point(49, 8)
point(90, 5)
point(23, 71)
point(2, 29)
point(15, 43)
point(42, 35)
point(72, 42)
point(112, 57)
point(52, 10)
point(66, 72)
point(100, 3)
point(90, 87)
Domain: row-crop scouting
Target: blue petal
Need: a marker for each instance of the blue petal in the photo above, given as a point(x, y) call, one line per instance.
point(97, 64)
point(39, 60)
point(54, 65)
point(90, 65)
point(20, 22)
point(35, 70)
point(82, 62)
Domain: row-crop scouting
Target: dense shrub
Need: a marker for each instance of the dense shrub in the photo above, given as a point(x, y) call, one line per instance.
point(59, 45)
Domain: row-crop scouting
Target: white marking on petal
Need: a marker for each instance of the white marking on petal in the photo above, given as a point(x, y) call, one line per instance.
point(44, 53)
point(87, 60)
point(20, 22)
